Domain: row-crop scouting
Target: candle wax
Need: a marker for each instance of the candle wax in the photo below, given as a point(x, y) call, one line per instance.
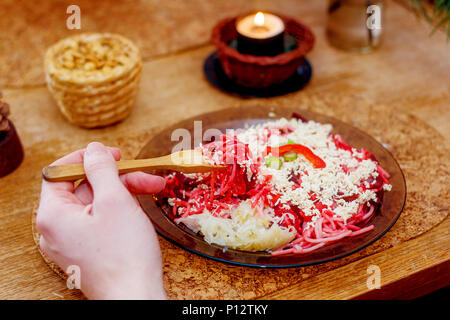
point(268, 27)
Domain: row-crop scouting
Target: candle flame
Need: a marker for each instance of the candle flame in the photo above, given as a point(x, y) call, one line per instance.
point(259, 19)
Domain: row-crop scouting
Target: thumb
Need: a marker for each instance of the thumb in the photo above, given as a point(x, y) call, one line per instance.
point(101, 171)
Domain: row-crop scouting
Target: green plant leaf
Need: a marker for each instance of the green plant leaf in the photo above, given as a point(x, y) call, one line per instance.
point(439, 17)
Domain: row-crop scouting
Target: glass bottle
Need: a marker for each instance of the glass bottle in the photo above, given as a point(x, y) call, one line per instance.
point(355, 25)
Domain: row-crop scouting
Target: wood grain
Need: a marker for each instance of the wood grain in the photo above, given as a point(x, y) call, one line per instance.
point(187, 161)
point(399, 94)
point(398, 269)
point(157, 27)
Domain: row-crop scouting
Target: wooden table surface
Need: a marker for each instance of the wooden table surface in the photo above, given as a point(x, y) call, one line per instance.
point(399, 94)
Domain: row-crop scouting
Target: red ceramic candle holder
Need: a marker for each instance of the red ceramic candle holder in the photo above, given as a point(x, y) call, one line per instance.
point(261, 71)
point(11, 151)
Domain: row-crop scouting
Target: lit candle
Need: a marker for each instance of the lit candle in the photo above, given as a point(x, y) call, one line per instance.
point(260, 34)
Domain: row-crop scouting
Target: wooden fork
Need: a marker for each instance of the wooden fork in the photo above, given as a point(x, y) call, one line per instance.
point(187, 161)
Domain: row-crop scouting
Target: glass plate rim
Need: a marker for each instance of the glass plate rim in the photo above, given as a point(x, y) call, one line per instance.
point(283, 266)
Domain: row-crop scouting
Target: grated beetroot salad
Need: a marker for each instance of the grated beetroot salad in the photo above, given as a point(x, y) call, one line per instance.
point(295, 173)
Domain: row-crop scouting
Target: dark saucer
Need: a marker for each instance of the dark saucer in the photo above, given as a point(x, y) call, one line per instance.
point(217, 77)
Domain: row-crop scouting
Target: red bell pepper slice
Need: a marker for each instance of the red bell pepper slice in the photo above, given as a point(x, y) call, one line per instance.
point(316, 161)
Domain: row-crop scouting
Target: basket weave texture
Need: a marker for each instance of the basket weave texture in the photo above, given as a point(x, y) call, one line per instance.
point(94, 77)
point(261, 71)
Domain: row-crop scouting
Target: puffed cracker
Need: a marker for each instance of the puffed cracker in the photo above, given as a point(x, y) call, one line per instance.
point(66, 59)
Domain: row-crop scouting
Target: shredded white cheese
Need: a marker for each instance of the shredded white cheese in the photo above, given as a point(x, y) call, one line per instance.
point(337, 185)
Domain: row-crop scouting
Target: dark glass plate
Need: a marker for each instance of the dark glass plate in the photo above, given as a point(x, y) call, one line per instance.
point(385, 218)
point(217, 77)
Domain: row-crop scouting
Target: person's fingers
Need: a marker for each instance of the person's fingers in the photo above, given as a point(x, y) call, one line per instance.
point(102, 174)
point(142, 183)
point(84, 192)
point(115, 153)
point(78, 156)
point(135, 182)
point(63, 189)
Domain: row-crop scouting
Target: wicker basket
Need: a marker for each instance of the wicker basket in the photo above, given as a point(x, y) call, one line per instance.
point(261, 71)
point(99, 96)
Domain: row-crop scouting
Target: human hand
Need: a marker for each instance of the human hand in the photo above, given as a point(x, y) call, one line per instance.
point(100, 227)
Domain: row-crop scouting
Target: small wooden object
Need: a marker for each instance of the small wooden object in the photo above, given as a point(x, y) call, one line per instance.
point(188, 161)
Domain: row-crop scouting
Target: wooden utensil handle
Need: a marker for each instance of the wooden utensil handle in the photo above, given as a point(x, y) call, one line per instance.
point(73, 172)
